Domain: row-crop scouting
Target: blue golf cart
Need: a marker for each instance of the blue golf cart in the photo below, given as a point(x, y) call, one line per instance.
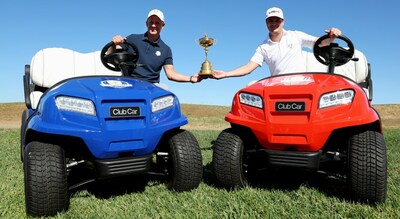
point(85, 114)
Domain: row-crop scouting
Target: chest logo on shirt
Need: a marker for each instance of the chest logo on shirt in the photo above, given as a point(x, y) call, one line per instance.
point(290, 45)
point(158, 53)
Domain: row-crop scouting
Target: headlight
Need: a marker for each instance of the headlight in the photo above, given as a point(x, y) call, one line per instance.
point(251, 99)
point(77, 105)
point(336, 98)
point(162, 103)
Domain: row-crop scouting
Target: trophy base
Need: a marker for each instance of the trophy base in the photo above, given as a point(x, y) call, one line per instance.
point(206, 73)
point(206, 69)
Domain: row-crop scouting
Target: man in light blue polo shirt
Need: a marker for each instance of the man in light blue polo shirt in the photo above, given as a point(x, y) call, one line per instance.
point(154, 54)
point(281, 51)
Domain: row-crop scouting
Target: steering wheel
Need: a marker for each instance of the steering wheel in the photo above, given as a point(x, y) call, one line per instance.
point(333, 54)
point(119, 56)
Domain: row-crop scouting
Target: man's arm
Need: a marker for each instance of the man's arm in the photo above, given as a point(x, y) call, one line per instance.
point(240, 71)
point(178, 77)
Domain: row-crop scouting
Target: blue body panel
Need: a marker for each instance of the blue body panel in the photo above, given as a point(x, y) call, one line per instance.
point(106, 136)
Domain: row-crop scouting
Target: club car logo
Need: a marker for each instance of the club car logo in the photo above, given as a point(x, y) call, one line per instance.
point(290, 106)
point(115, 84)
point(129, 111)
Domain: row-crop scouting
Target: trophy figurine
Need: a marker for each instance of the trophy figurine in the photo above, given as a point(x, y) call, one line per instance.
point(206, 67)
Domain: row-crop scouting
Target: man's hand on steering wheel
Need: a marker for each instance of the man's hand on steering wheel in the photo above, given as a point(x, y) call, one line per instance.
point(118, 40)
point(333, 33)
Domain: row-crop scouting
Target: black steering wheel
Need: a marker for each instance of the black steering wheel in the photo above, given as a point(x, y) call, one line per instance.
point(119, 57)
point(333, 54)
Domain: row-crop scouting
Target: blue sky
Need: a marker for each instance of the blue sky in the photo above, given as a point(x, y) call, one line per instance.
point(238, 27)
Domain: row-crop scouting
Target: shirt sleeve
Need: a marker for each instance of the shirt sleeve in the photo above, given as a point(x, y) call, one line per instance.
point(306, 40)
point(168, 59)
point(258, 56)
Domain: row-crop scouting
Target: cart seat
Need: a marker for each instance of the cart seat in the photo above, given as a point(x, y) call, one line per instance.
point(358, 71)
point(52, 65)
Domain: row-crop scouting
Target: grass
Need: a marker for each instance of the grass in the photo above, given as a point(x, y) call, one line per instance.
point(277, 196)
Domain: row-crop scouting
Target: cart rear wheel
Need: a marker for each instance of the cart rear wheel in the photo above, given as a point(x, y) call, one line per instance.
point(185, 167)
point(230, 164)
point(45, 177)
point(367, 167)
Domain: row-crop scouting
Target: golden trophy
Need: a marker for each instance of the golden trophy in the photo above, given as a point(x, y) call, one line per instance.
point(206, 67)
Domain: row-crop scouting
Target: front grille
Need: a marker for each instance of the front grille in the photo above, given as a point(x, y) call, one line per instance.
point(122, 166)
point(306, 160)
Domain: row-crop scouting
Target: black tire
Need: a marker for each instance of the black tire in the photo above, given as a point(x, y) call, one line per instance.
point(24, 119)
point(228, 160)
point(367, 167)
point(45, 177)
point(185, 168)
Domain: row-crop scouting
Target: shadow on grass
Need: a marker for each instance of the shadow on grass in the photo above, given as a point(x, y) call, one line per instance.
point(287, 180)
point(105, 189)
point(269, 179)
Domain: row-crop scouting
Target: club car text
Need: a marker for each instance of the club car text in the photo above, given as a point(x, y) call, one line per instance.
point(290, 106)
point(124, 111)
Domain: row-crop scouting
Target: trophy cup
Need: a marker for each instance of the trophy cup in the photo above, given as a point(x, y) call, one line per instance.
point(206, 67)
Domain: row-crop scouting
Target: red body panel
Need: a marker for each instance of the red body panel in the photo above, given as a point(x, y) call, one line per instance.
point(306, 130)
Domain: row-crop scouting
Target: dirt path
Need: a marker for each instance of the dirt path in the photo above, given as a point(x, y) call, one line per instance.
point(9, 126)
point(10, 115)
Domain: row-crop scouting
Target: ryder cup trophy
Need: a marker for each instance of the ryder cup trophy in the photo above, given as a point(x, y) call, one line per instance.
point(206, 67)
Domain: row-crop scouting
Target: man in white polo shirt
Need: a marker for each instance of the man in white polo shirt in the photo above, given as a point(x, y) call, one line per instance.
point(281, 51)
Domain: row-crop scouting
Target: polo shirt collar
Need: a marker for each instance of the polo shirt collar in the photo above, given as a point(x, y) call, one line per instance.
point(145, 38)
point(271, 42)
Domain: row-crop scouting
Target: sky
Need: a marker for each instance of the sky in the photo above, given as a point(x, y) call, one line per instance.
point(237, 26)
